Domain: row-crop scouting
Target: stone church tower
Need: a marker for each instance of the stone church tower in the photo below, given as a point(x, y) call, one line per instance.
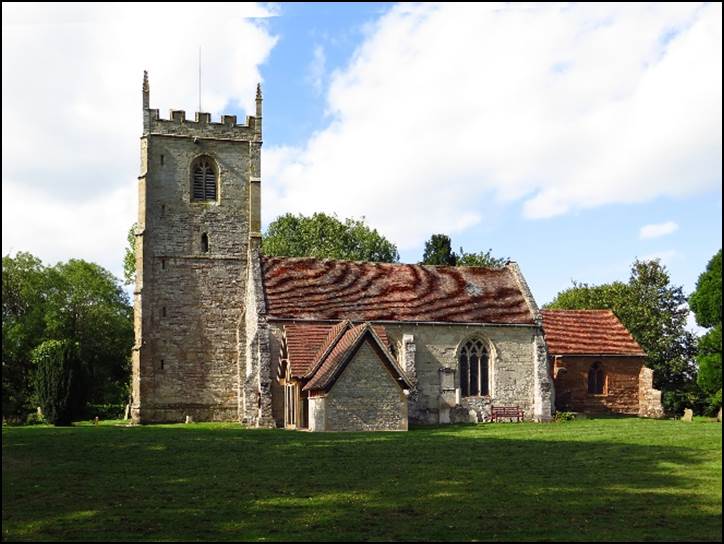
point(198, 230)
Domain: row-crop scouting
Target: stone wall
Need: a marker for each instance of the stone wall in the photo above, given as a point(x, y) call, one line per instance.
point(365, 397)
point(512, 355)
point(621, 391)
point(317, 415)
point(649, 398)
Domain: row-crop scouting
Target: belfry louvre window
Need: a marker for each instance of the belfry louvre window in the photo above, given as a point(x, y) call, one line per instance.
point(204, 180)
point(473, 369)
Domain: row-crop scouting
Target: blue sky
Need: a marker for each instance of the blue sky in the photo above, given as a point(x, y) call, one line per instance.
point(552, 134)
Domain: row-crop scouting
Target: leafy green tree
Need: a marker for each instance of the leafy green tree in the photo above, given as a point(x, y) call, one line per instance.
point(438, 251)
point(482, 258)
point(24, 303)
point(78, 302)
point(326, 237)
point(655, 313)
point(56, 379)
point(129, 257)
point(706, 303)
point(89, 307)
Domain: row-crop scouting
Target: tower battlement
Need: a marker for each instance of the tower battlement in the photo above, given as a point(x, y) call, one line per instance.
point(201, 126)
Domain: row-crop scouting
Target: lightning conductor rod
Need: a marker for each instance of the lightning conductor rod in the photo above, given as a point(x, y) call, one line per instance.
point(200, 79)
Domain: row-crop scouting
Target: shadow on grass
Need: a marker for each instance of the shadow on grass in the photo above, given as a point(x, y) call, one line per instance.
point(516, 482)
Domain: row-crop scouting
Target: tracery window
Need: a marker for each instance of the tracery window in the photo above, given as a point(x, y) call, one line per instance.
point(204, 180)
point(596, 379)
point(474, 371)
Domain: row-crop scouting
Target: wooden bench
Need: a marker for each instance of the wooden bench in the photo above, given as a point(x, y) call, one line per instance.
point(506, 412)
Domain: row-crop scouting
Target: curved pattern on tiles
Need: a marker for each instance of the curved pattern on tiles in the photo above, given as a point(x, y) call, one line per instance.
point(306, 288)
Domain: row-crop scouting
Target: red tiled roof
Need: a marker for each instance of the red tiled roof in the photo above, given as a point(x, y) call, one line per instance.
point(581, 332)
point(331, 365)
point(308, 342)
point(306, 288)
point(345, 344)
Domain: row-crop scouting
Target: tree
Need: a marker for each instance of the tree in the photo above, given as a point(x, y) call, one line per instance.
point(89, 307)
point(706, 303)
point(56, 379)
point(24, 303)
point(326, 237)
point(77, 302)
point(129, 258)
point(655, 313)
point(482, 258)
point(438, 251)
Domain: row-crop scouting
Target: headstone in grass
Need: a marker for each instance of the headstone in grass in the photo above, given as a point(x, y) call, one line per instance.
point(718, 416)
point(688, 415)
point(189, 419)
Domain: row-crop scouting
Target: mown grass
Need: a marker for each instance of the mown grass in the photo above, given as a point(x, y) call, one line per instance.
point(601, 479)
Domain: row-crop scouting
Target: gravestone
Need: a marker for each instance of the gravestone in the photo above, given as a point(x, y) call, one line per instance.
point(688, 415)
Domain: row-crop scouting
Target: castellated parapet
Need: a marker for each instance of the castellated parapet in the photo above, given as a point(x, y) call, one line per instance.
point(201, 126)
point(199, 207)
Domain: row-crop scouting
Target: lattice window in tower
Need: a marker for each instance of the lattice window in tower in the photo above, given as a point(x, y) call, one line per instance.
point(204, 180)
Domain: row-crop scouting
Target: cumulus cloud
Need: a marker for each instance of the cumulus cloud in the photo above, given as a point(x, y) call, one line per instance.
point(657, 230)
point(446, 113)
point(71, 109)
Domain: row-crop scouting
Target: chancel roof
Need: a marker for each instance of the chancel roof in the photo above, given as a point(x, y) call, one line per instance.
point(587, 332)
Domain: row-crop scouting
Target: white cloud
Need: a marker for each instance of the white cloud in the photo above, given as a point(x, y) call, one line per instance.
point(71, 109)
point(448, 112)
point(657, 230)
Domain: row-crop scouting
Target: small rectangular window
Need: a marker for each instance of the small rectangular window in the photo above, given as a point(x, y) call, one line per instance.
point(161, 160)
point(163, 264)
point(163, 311)
point(162, 364)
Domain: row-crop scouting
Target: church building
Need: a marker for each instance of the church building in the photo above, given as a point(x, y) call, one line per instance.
point(224, 333)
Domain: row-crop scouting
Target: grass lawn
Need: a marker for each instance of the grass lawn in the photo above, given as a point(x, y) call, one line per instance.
point(597, 479)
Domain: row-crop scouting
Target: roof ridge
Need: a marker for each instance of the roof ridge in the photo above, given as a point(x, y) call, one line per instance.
point(436, 266)
point(561, 310)
point(359, 332)
point(328, 346)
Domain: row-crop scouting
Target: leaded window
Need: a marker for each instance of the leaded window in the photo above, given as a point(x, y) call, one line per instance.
point(204, 180)
point(474, 372)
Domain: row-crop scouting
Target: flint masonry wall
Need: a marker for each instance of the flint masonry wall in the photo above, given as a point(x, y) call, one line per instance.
point(512, 352)
point(189, 302)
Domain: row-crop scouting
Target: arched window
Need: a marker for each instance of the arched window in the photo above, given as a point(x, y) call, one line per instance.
point(474, 369)
point(205, 243)
point(203, 175)
point(596, 379)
